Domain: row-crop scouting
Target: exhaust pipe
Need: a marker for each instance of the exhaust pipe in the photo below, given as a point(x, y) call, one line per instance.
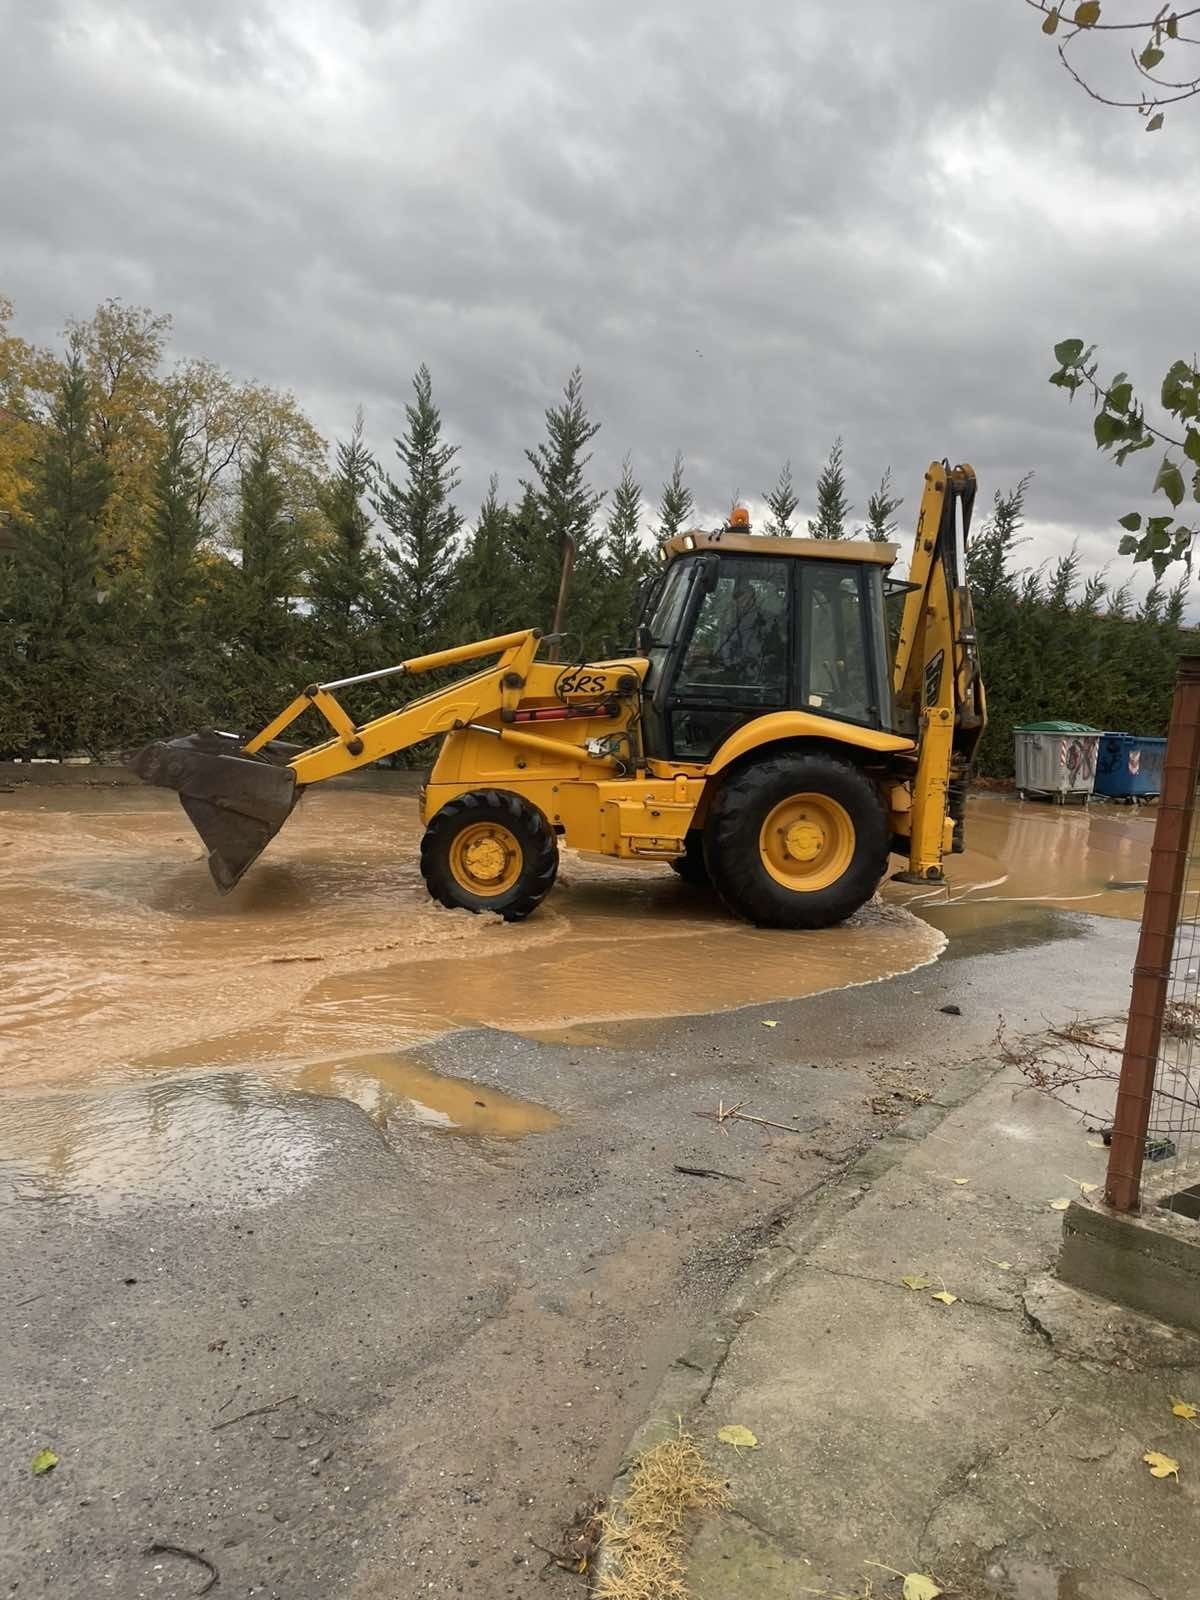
point(236, 803)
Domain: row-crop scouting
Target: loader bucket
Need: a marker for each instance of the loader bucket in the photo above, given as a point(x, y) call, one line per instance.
point(236, 803)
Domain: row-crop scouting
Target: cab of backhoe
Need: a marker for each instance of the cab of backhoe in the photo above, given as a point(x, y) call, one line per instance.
point(737, 626)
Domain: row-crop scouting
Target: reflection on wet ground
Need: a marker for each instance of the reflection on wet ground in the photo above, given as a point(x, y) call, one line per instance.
point(226, 1139)
point(1026, 859)
point(162, 1014)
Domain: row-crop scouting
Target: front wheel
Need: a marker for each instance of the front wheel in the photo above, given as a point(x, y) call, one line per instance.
point(797, 840)
point(490, 851)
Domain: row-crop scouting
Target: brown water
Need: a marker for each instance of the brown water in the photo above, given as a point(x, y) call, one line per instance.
point(329, 960)
point(120, 955)
point(1023, 855)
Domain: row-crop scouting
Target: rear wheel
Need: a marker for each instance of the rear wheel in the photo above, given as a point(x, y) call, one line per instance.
point(490, 851)
point(798, 840)
point(691, 866)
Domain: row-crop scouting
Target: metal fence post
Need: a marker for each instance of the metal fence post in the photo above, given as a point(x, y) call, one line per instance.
point(1156, 943)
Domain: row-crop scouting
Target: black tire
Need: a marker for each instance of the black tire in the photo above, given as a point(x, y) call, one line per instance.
point(692, 867)
point(734, 850)
point(490, 815)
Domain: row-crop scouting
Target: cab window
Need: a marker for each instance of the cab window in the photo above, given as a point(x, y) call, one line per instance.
point(738, 649)
point(835, 663)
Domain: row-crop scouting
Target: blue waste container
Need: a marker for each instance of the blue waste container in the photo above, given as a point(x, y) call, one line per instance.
point(1129, 767)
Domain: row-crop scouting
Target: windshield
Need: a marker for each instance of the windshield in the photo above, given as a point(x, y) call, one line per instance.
point(662, 623)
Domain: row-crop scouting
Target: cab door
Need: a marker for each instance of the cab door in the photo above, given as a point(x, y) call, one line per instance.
point(736, 661)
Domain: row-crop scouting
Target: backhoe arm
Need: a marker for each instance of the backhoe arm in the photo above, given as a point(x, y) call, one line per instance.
point(238, 795)
point(936, 679)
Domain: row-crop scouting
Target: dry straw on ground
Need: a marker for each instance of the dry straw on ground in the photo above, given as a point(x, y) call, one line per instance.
point(645, 1540)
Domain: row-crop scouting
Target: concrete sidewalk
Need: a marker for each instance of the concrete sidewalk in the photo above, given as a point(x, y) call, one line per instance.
point(995, 1443)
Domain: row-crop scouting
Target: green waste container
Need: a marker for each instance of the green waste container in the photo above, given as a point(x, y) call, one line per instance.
point(1056, 759)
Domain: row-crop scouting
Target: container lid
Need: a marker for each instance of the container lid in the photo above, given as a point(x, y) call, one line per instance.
point(1055, 727)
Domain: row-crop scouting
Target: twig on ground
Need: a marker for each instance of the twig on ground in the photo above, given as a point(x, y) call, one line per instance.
point(709, 1172)
point(259, 1411)
point(158, 1548)
point(1077, 1036)
point(724, 1114)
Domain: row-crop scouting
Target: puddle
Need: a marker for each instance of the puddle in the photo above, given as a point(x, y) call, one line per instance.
point(119, 955)
point(1023, 856)
point(230, 1140)
point(395, 1091)
point(220, 1140)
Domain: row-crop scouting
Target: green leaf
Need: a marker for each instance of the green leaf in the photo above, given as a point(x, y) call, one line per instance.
point(1107, 429)
point(1068, 351)
point(1051, 22)
point(1150, 57)
point(1066, 380)
point(1181, 389)
point(1120, 393)
point(45, 1461)
point(1087, 15)
point(1131, 520)
point(1172, 26)
point(1155, 122)
point(1191, 445)
point(1170, 481)
point(1128, 545)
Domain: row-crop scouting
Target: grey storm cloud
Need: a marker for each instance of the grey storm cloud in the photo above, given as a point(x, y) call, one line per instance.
point(754, 226)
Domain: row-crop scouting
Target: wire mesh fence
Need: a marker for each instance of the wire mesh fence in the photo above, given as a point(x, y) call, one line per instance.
point(1156, 1124)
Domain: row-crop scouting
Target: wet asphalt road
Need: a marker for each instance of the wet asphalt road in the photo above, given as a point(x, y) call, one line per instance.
point(458, 1335)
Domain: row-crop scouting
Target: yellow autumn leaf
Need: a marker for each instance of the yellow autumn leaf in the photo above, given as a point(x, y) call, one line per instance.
point(770, 1024)
point(1184, 1408)
point(918, 1587)
point(740, 1438)
point(1095, 1144)
point(915, 1281)
point(1059, 1205)
point(44, 1461)
point(962, 1180)
point(1161, 1466)
point(1083, 1187)
point(1005, 1266)
point(945, 1297)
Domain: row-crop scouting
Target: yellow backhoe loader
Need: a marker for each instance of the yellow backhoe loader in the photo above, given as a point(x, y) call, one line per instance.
point(761, 735)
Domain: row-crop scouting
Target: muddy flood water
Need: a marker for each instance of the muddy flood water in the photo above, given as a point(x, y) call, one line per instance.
point(128, 979)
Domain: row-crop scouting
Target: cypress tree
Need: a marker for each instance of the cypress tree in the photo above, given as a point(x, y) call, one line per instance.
point(882, 506)
point(832, 505)
point(59, 546)
point(782, 502)
point(266, 537)
point(422, 524)
point(627, 561)
point(173, 576)
point(344, 577)
point(487, 599)
point(677, 504)
point(566, 506)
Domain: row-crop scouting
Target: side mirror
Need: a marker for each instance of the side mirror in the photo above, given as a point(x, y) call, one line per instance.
point(710, 571)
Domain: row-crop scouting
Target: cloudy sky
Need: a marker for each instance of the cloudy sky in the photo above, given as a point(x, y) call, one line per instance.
point(754, 225)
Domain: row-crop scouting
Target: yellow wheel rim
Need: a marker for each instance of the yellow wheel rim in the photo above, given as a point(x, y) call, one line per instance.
point(807, 842)
point(486, 859)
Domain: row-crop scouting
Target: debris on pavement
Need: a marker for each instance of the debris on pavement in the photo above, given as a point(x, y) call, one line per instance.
point(1161, 1466)
point(158, 1548)
point(45, 1461)
point(739, 1437)
point(645, 1541)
